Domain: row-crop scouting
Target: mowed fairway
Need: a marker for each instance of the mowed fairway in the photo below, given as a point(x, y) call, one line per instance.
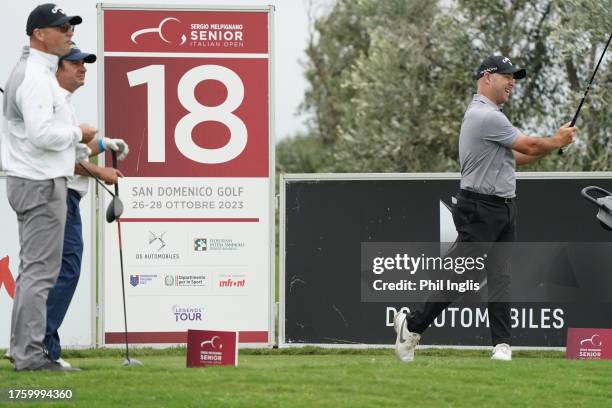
point(366, 378)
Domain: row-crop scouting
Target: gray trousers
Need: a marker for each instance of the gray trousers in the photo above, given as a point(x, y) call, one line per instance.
point(41, 217)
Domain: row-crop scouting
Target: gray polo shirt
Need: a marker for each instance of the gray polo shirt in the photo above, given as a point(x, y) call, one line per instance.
point(485, 150)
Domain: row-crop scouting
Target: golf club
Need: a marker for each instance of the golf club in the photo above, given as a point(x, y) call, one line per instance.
point(588, 87)
point(115, 207)
point(111, 210)
point(604, 202)
point(95, 178)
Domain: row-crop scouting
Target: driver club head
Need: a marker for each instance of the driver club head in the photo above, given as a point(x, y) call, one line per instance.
point(114, 209)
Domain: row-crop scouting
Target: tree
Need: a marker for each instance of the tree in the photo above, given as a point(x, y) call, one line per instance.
point(299, 154)
point(390, 80)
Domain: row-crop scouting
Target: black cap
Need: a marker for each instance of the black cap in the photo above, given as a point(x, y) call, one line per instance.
point(498, 64)
point(49, 15)
point(76, 54)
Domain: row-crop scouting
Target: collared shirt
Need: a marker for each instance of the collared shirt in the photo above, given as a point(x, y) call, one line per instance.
point(39, 136)
point(485, 150)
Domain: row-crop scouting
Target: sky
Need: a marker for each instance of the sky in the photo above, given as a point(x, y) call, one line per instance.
point(291, 34)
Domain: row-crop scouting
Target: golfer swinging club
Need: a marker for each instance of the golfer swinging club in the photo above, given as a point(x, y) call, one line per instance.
point(484, 211)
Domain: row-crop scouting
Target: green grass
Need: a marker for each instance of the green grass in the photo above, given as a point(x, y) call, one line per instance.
point(314, 377)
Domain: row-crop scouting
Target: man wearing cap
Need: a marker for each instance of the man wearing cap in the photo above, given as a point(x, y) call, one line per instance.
point(38, 154)
point(71, 76)
point(484, 210)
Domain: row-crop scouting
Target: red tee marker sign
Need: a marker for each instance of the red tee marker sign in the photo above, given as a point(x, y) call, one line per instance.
point(211, 348)
point(589, 344)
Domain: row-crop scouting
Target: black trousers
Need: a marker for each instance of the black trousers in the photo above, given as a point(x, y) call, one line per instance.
point(484, 220)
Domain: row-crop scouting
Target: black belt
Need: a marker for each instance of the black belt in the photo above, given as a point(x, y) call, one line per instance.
point(484, 197)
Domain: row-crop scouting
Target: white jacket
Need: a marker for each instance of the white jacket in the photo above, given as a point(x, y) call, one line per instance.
point(39, 134)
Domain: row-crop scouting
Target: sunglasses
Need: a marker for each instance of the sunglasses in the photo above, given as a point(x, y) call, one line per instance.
point(64, 28)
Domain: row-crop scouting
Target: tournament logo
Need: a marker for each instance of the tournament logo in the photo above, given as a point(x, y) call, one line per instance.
point(159, 30)
point(134, 280)
point(593, 341)
point(214, 342)
point(591, 347)
point(212, 34)
point(210, 352)
point(187, 314)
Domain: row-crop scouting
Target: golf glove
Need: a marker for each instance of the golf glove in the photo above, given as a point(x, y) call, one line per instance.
point(117, 145)
point(81, 152)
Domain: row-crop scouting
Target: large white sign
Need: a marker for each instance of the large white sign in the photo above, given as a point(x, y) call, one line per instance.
point(189, 89)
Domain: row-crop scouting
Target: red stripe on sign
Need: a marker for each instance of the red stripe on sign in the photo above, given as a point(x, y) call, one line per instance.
point(252, 337)
point(176, 337)
point(189, 219)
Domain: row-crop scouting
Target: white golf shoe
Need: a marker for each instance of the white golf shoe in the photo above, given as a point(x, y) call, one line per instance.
point(502, 352)
point(406, 341)
point(63, 363)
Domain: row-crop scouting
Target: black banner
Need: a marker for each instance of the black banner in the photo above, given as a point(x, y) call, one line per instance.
point(327, 221)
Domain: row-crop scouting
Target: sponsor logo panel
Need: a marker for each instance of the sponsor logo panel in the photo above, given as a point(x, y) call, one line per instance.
point(151, 246)
point(230, 281)
point(208, 244)
point(142, 279)
point(186, 280)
